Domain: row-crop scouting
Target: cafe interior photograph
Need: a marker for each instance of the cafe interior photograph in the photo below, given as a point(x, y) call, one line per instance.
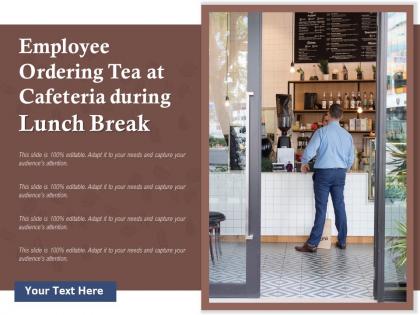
point(277, 82)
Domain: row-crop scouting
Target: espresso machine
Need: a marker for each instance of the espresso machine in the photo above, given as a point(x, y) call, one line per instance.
point(285, 152)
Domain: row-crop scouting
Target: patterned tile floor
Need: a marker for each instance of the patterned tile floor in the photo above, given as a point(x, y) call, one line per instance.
point(286, 273)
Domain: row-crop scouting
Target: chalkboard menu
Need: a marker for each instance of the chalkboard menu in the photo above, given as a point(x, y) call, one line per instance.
point(336, 36)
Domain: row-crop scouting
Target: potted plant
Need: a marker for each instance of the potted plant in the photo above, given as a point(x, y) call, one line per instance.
point(359, 72)
point(301, 73)
point(396, 181)
point(323, 66)
point(398, 245)
point(374, 71)
point(396, 191)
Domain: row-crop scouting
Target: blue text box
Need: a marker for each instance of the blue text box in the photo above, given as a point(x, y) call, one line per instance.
point(65, 291)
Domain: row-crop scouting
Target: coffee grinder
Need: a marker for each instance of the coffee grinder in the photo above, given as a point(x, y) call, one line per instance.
point(284, 119)
point(285, 152)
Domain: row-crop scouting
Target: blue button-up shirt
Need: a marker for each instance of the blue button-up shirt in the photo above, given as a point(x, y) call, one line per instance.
point(333, 147)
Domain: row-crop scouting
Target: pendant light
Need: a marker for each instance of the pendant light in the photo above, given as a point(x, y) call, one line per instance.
point(292, 64)
point(227, 47)
point(292, 67)
point(359, 111)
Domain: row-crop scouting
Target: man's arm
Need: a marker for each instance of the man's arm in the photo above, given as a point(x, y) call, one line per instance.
point(312, 147)
point(351, 155)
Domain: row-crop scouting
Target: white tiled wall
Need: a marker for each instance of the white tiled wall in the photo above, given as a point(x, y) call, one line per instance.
point(276, 55)
point(228, 195)
point(287, 203)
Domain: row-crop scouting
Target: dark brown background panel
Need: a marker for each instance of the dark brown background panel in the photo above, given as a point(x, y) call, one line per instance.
point(176, 129)
point(417, 156)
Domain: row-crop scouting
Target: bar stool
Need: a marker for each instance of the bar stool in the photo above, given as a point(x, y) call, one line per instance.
point(212, 230)
point(215, 218)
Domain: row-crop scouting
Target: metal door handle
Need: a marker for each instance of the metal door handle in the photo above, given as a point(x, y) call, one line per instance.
point(248, 236)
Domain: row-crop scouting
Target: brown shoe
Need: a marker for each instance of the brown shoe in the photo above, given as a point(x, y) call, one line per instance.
point(337, 244)
point(306, 248)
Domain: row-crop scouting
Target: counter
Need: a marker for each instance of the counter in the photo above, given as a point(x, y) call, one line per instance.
point(287, 203)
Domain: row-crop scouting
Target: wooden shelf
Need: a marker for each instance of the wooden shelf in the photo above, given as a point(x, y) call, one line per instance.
point(326, 110)
point(297, 90)
point(332, 81)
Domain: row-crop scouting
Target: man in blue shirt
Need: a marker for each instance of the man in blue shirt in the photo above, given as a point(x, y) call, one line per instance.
point(333, 147)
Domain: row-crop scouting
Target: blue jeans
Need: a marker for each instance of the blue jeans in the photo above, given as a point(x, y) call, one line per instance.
point(329, 181)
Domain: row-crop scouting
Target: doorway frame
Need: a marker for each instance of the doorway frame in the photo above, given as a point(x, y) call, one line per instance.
point(251, 287)
point(379, 230)
point(380, 284)
point(236, 305)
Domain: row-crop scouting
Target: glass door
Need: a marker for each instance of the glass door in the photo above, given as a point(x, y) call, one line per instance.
point(234, 159)
point(391, 213)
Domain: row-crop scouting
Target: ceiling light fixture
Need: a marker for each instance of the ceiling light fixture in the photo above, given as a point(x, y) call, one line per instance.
point(292, 64)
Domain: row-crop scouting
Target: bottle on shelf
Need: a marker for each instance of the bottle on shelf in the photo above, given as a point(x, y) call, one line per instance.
point(346, 104)
point(324, 102)
point(371, 101)
point(353, 101)
point(369, 124)
point(345, 73)
point(301, 141)
point(355, 166)
point(365, 101)
point(330, 100)
point(358, 100)
point(338, 100)
point(314, 76)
